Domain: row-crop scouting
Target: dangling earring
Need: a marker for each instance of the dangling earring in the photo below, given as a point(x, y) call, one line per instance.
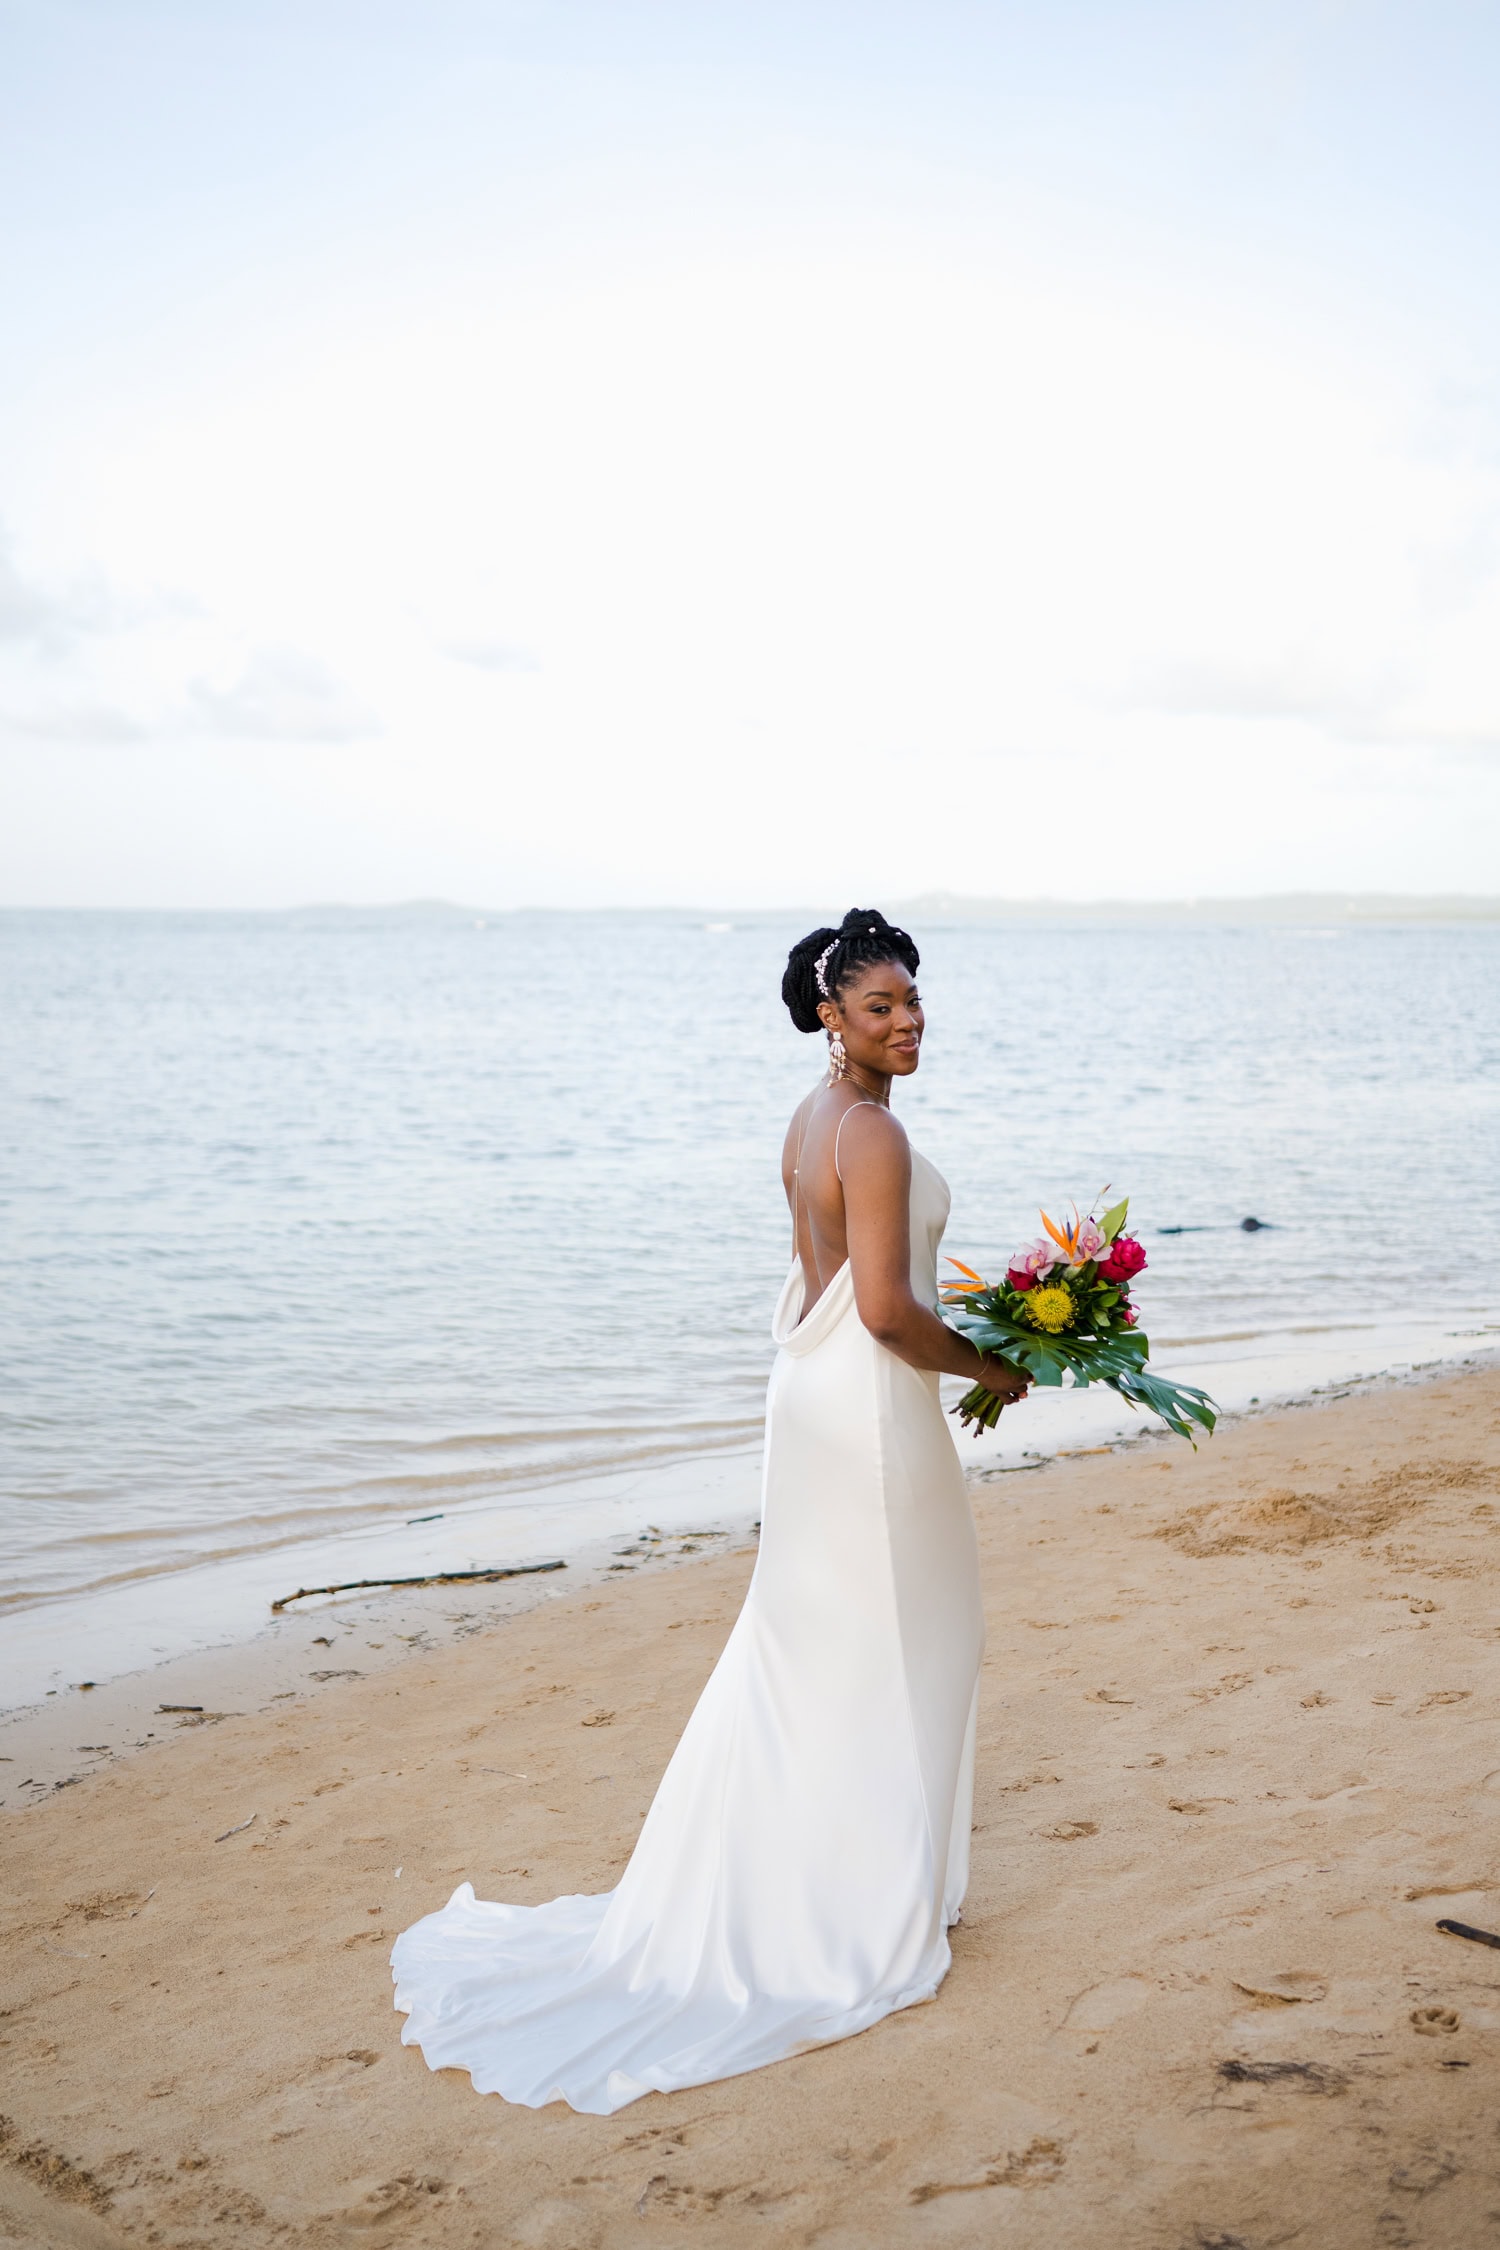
point(838, 1061)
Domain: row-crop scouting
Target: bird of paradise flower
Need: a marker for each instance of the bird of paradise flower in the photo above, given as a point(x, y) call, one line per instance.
point(958, 1290)
point(1067, 1237)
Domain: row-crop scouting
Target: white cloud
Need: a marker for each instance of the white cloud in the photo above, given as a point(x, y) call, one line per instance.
point(52, 619)
point(1406, 712)
point(76, 722)
point(280, 695)
point(491, 655)
point(74, 650)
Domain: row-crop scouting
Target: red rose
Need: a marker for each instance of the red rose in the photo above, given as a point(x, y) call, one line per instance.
point(1123, 1261)
point(1020, 1278)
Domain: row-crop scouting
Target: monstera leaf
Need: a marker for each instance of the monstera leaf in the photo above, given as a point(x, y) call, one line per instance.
point(1117, 1360)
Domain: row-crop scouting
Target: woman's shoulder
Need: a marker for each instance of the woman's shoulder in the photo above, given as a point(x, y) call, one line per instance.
point(828, 1105)
point(868, 1130)
point(819, 1121)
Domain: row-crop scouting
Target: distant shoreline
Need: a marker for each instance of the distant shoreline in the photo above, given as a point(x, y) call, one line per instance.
point(1298, 908)
point(1295, 909)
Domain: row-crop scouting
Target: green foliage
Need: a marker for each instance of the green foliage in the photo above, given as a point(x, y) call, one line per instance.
point(1114, 1356)
point(1114, 1218)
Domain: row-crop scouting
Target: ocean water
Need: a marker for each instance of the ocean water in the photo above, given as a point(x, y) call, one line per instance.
point(316, 1222)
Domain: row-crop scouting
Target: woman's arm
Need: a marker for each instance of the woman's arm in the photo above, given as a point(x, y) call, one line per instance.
point(876, 1164)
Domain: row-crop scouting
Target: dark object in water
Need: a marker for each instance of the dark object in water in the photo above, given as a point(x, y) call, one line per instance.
point(433, 1578)
point(1463, 1929)
point(425, 1519)
point(1247, 1226)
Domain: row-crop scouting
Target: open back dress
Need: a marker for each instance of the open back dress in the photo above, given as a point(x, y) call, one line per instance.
point(808, 1847)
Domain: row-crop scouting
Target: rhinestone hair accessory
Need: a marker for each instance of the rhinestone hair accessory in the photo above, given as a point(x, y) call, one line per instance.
point(827, 954)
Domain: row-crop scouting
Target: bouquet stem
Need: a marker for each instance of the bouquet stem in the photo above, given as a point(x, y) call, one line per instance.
point(979, 1409)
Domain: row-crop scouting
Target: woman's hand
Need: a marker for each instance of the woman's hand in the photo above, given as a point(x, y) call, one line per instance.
point(1001, 1380)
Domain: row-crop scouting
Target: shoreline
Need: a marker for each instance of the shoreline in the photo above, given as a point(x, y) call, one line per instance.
point(1235, 1764)
point(298, 1657)
point(211, 1623)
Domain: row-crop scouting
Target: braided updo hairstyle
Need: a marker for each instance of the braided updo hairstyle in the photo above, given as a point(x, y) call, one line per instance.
point(863, 939)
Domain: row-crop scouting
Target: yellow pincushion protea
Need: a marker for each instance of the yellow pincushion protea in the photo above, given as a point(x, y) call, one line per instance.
point(1050, 1308)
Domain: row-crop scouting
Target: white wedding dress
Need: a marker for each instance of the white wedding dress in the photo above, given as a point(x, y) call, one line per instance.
point(808, 1847)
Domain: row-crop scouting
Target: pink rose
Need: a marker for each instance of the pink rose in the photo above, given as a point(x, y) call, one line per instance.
point(1124, 1261)
point(1128, 1315)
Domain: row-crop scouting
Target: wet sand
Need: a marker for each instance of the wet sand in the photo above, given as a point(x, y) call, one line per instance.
point(1237, 1757)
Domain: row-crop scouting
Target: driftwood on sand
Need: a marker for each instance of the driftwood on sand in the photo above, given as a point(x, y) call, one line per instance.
point(1466, 1929)
point(433, 1578)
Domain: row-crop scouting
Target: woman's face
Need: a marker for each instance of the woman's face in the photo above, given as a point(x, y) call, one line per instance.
point(880, 1017)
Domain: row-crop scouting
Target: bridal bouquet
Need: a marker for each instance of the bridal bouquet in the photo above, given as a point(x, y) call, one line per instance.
point(1064, 1308)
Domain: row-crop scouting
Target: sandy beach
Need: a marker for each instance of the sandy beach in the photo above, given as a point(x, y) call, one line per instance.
point(1237, 1757)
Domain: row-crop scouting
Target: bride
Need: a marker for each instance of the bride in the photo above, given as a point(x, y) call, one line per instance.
point(808, 1848)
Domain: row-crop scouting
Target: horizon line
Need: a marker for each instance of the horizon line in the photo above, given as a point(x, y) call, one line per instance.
point(1206, 906)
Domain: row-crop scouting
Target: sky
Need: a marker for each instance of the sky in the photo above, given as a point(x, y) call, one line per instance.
point(677, 452)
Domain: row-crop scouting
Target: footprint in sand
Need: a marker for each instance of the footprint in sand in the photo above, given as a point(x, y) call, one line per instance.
point(408, 2192)
point(1283, 1988)
point(1104, 2005)
point(1037, 2165)
point(1432, 2169)
point(1434, 2023)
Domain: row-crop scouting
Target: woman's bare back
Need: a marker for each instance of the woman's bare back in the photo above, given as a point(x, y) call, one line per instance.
point(810, 1173)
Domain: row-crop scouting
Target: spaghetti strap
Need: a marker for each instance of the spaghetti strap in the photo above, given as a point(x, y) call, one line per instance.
point(838, 1136)
point(797, 1183)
